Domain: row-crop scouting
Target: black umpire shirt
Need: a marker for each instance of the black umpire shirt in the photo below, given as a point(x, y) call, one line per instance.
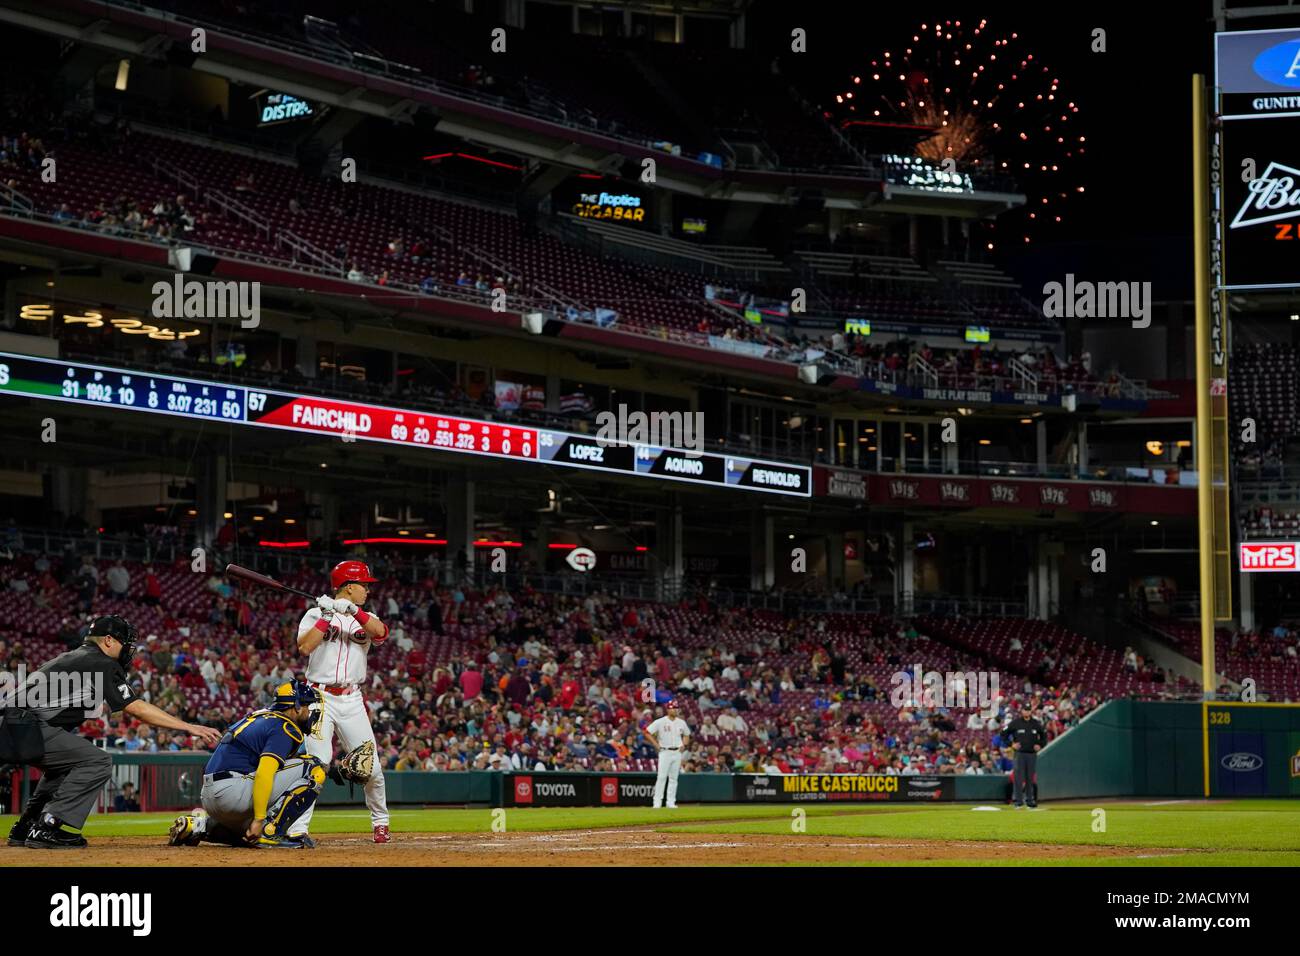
point(1026, 731)
point(62, 691)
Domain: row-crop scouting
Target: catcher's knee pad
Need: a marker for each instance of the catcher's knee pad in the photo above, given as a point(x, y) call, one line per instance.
point(293, 803)
point(316, 771)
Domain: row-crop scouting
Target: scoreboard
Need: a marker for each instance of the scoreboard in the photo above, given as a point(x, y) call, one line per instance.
point(82, 384)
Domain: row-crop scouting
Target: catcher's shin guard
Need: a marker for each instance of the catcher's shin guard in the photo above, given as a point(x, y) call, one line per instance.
point(295, 801)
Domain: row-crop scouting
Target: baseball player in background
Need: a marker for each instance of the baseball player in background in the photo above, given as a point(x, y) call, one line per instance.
point(670, 735)
point(337, 635)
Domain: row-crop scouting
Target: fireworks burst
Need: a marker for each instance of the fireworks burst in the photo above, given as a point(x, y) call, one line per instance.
point(994, 108)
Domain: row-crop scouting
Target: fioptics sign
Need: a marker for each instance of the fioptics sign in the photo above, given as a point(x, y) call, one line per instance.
point(82, 384)
point(622, 207)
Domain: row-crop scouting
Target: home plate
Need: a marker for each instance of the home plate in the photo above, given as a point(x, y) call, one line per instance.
point(994, 809)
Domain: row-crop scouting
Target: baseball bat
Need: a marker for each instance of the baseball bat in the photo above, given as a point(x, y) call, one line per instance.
point(236, 571)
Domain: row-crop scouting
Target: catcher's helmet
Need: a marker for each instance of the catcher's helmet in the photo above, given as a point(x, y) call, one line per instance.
point(298, 693)
point(119, 628)
point(295, 693)
point(345, 572)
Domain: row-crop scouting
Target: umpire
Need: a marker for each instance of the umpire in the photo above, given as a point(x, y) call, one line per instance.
point(37, 728)
point(1028, 736)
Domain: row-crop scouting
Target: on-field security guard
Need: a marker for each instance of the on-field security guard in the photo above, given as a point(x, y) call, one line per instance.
point(671, 735)
point(1028, 736)
point(256, 785)
point(37, 728)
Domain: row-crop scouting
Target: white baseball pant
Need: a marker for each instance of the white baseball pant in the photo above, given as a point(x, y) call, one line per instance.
point(346, 714)
point(670, 766)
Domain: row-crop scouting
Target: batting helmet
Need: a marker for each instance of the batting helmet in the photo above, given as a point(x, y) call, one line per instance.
point(346, 572)
point(119, 628)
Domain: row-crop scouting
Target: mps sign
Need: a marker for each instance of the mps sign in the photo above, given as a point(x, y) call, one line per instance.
point(1270, 556)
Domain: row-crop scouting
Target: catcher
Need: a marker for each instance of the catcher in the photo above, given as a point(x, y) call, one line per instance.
point(255, 786)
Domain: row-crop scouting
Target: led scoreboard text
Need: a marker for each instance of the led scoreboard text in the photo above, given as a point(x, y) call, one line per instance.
point(53, 380)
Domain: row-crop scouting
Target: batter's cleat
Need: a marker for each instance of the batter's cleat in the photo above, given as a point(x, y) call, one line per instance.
point(53, 835)
point(306, 839)
point(381, 834)
point(184, 832)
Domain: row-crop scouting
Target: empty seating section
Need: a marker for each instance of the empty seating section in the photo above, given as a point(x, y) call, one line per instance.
point(1047, 651)
point(1268, 656)
point(898, 288)
point(741, 93)
point(992, 295)
point(718, 260)
point(449, 241)
point(1264, 384)
point(886, 288)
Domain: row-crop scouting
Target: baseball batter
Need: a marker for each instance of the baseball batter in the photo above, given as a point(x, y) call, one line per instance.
point(337, 635)
point(671, 736)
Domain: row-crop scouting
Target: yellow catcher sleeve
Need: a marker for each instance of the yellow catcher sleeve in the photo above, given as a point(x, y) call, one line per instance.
point(267, 768)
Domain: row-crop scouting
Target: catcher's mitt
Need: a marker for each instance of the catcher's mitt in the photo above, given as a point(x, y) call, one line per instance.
point(355, 767)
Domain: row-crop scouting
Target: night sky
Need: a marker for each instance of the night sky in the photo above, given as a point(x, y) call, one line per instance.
point(1134, 104)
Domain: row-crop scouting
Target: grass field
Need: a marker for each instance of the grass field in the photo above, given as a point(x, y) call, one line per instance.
point(1184, 833)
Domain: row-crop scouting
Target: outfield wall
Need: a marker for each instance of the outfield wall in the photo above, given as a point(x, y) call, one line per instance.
point(1129, 748)
point(172, 781)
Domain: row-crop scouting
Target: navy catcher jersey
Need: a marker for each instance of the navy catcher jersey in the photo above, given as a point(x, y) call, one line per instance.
point(263, 733)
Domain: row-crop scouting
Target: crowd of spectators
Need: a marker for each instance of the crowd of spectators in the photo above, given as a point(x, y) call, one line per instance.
point(1264, 522)
point(977, 366)
point(525, 680)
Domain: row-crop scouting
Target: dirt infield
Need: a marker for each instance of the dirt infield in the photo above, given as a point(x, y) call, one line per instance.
point(629, 846)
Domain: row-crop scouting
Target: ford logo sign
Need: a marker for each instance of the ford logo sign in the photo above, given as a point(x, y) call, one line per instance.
point(1242, 762)
point(1280, 64)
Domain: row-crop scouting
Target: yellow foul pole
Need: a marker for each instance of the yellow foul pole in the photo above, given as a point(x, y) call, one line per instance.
point(1205, 524)
point(1204, 435)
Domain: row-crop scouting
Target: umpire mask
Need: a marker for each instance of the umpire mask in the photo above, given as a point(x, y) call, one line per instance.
point(121, 630)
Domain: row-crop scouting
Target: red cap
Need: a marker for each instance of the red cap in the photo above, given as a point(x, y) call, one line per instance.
point(345, 572)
